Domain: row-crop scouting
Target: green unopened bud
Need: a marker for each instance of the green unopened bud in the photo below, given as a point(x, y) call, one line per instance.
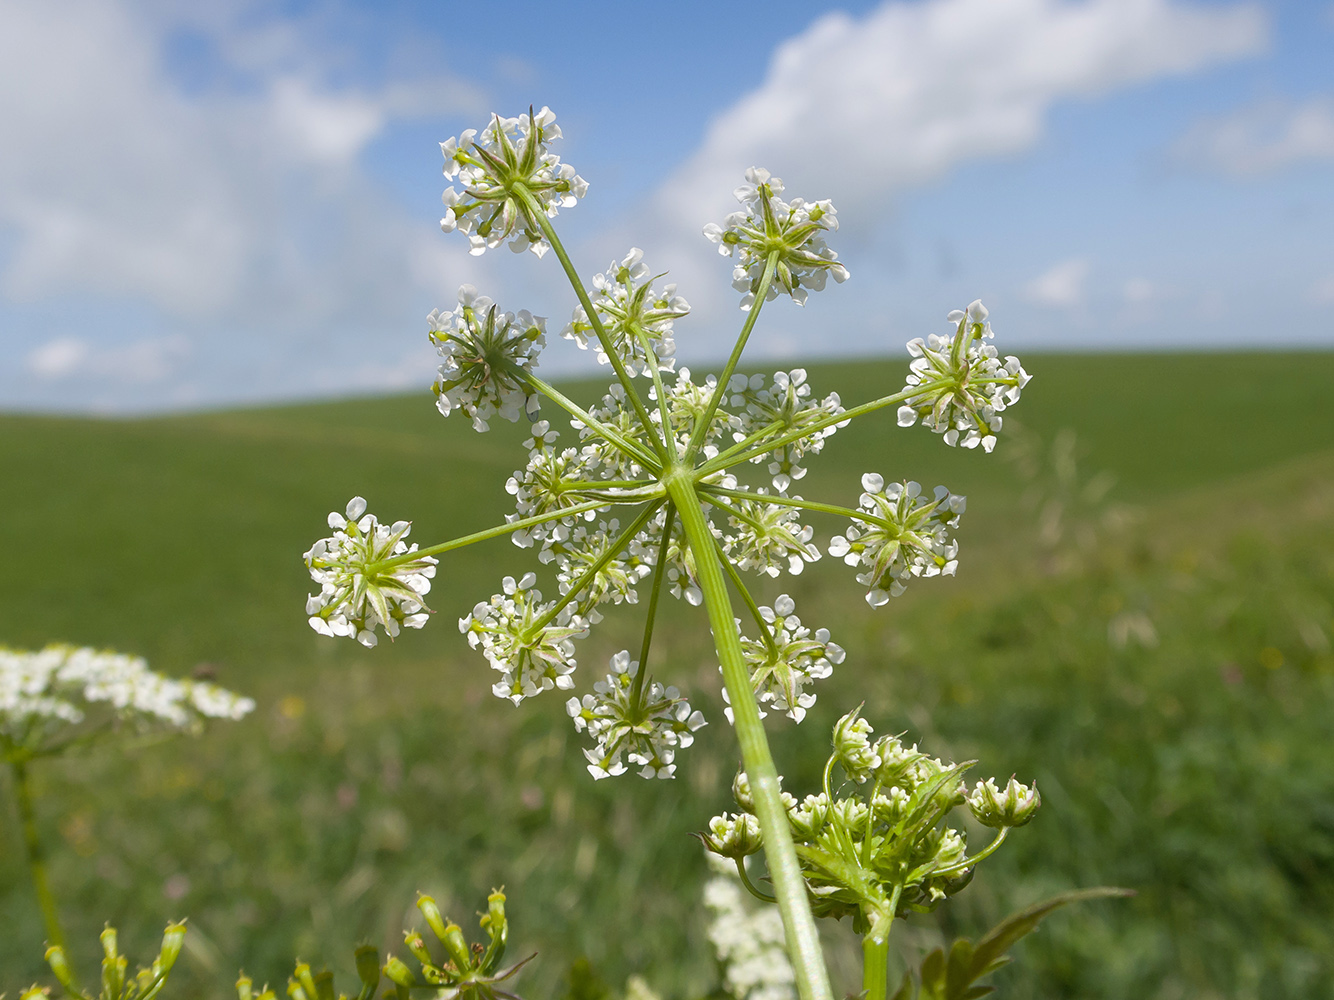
point(35, 992)
point(457, 946)
point(113, 973)
point(368, 967)
point(494, 921)
point(809, 817)
point(108, 939)
point(302, 975)
point(735, 837)
point(432, 914)
point(745, 801)
point(852, 747)
point(295, 991)
point(172, 939)
point(55, 957)
point(245, 988)
point(399, 973)
point(1014, 806)
point(417, 945)
point(324, 985)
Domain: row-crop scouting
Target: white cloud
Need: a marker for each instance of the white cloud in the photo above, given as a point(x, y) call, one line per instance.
point(857, 109)
point(1062, 285)
point(239, 205)
point(1261, 139)
point(141, 362)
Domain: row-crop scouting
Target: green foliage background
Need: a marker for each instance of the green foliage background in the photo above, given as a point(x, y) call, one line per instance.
point(1163, 668)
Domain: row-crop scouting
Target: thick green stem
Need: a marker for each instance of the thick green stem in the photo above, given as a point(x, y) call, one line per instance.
point(803, 942)
point(55, 936)
point(875, 956)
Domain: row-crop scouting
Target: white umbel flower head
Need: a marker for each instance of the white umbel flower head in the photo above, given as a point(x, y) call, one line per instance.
point(963, 383)
point(1014, 805)
point(368, 577)
point(785, 404)
point(789, 658)
point(767, 223)
point(636, 319)
point(906, 535)
point(768, 538)
point(509, 152)
point(44, 693)
point(647, 726)
point(486, 353)
point(531, 654)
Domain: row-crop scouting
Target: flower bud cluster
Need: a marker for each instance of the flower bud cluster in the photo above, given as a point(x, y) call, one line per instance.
point(884, 834)
point(637, 320)
point(368, 577)
point(767, 224)
point(532, 653)
point(905, 535)
point(486, 353)
point(116, 983)
point(788, 658)
point(508, 153)
point(785, 404)
point(646, 722)
point(963, 383)
point(42, 693)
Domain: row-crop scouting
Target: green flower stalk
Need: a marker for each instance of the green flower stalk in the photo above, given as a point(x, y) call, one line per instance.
point(652, 491)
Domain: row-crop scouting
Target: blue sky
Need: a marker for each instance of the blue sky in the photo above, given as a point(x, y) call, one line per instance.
point(203, 207)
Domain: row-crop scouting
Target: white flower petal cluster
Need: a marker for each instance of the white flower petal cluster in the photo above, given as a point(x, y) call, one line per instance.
point(852, 747)
point(964, 384)
point(748, 940)
point(783, 663)
point(508, 152)
point(486, 353)
point(368, 577)
point(615, 582)
point(637, 319)
point(617, 413)
point(906, 535)
point(768, 538)
point(44, 692)
point(687, 402)
point(531, 657)
point(681, 574)
point(767, 223)
point(543, 487)
point(647, 730)
point(1014, 805)
point(785, 404)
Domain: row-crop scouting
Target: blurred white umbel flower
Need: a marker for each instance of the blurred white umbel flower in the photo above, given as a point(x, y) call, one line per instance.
point(964, 384)
point(905, 536)
point(486, 353)
point(509, 152)
point(56, 688)
point(748, 939)
point(368, 577)
point(767, 223)
point(647, 723)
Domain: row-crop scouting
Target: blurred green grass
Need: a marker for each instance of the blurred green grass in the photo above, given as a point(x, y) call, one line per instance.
point(1185, 768)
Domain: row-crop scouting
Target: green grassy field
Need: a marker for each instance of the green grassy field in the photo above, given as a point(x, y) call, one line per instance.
point(1192, 761)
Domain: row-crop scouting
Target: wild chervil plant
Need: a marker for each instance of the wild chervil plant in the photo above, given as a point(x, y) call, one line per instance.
point(672, 485)
point(658, 490)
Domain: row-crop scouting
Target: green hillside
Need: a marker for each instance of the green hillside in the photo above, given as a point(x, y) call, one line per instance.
point(1192, 761)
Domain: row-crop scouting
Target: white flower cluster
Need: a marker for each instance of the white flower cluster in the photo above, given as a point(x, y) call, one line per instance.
point(647, 729)
point(784, 404)
point(766, 223)
point(687, 402)
point(530, 656)
point(1014, 805)
point(543, 486)
point(906, 535)
point(964, 384)
point(768, 538)
point(41, 692)
point(509, 152)
point(368, 577)
point(748, 940)
point(617, 413)
point(637, 319)
point(486, 353)
point(789, 658)
point(614, 582)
